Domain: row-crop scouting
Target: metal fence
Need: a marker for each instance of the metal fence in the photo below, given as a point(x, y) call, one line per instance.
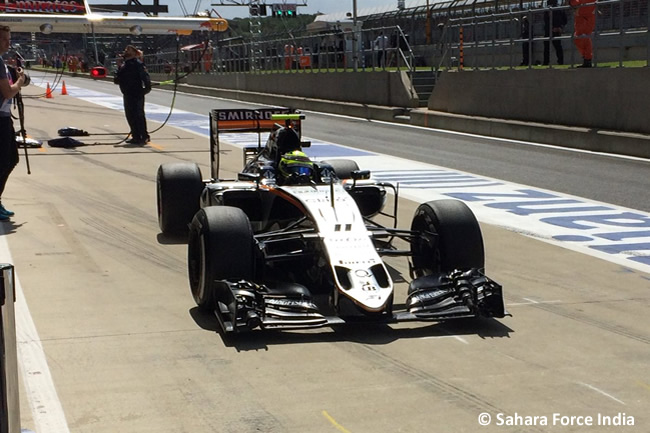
point(368, 49)
point(495, 40)
point(473, 34)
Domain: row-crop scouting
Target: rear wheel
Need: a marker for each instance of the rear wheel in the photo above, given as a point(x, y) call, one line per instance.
point(179, 188)
point(458, 244)
point(220, 248)
point(343, 167)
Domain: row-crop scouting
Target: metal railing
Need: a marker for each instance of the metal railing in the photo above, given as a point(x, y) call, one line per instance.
point(324, 52)
point(495, 40)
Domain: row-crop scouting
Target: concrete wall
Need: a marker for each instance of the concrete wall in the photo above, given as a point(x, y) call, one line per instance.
point(599, 109)
point(383, 88)
point(616, 99)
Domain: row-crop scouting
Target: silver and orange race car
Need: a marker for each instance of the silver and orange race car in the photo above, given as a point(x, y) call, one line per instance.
point(292, 243)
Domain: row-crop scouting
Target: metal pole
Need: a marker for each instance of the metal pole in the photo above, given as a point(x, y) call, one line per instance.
point(355, 59)
point(92, 26)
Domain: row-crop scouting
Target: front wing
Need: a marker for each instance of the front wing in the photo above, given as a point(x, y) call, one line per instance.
point(460, 294)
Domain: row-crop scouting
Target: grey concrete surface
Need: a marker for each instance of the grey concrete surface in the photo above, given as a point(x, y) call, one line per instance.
point(129, 352)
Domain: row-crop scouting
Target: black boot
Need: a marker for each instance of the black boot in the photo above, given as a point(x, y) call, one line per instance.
point(586, 64)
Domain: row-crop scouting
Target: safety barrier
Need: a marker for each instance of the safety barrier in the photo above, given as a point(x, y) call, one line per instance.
point(9, 401)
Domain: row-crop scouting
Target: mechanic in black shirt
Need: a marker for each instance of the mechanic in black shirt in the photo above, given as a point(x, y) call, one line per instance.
point(134, 82)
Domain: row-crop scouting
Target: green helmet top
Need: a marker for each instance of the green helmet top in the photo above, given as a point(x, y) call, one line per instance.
point(296, 163)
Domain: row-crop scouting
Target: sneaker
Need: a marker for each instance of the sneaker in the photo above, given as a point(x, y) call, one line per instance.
point(4, 217)
point(5, 212)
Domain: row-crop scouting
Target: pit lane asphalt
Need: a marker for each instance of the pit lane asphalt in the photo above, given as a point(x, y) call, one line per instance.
point(128, 351)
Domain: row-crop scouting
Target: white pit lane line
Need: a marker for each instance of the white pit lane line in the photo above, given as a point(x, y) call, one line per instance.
point(46, 409)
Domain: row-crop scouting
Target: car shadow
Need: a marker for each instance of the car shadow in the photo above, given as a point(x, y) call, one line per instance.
point(171, 239)
point(362, 332)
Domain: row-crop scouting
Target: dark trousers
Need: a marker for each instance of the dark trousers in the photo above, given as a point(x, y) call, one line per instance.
point(8, 151)
point(559, 51)
point(525, 54)
point(134, 112)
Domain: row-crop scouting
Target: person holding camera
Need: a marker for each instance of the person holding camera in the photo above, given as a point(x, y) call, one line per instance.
point(134, 82)
point(9, 88)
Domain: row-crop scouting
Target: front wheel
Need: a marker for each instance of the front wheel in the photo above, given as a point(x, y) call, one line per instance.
point(450, 238)
point(220, 248)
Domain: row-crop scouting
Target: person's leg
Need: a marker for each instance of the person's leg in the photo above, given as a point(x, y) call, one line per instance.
point(559, 50)
point(8, 159)
point(547, 54)
point(140, 131)
point(129, 114)
point(525, 55)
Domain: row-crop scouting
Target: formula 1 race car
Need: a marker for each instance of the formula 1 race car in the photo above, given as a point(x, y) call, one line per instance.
point(291, 243)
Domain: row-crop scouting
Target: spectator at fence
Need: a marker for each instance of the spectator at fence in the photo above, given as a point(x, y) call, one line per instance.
point(381, 43)
point(584, 23)
point(557, 18)
point(525, 47)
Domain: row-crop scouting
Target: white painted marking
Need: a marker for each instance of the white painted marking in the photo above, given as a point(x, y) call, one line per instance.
point(532, 302)
point(46, 408)
point(600, 391)
point(456, 337)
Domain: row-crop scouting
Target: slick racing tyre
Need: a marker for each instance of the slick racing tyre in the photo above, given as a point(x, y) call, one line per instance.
point(343, 167)
point(220, 248)
point(179, 187)
point(458, 244)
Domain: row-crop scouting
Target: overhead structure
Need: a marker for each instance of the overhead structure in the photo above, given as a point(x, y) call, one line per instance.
point(75, 16)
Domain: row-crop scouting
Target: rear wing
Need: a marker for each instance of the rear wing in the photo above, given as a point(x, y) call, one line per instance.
point(246, 120)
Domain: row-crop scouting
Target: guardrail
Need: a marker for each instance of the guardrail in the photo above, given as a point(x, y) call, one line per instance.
point(490, 41)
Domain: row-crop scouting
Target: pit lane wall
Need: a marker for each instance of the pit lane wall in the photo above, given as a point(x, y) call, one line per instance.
point(616, 99)
point(372, 88)
point(598, 109)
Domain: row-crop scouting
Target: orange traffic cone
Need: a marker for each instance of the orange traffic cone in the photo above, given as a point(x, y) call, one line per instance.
point(64, 91)
point(48, 91)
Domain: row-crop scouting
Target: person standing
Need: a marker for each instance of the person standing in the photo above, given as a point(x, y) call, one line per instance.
point(381, 43)
point(584, 23)
point(526, 35)
point(9, 88)
point(135, 83)
point(557, 19)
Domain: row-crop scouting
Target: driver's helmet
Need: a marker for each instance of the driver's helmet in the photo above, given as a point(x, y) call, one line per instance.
point(296, 167)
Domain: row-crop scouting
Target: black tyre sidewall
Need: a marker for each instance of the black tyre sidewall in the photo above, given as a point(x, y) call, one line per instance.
point(460, 242)
point(220, 247)
point(179, 188)
point(343, 167)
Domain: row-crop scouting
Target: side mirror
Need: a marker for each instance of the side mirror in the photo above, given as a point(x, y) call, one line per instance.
point(360, 175)
point(305, 144)
point(253, 177)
